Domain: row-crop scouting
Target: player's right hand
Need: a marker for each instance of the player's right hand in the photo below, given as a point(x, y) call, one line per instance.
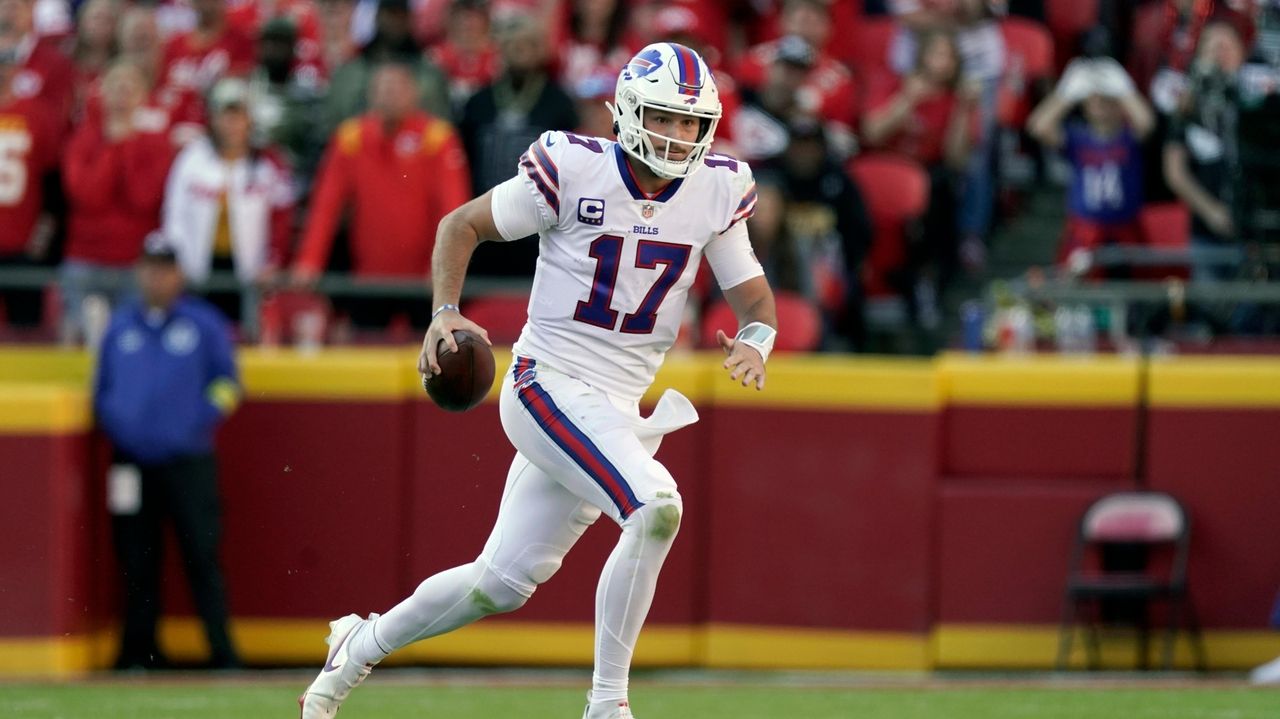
point(442, 329)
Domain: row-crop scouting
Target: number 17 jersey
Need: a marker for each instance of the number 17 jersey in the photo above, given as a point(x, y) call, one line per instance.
point(615, 263)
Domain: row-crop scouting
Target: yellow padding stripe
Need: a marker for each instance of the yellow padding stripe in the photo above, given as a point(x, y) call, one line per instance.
point(46, 364)
point(950, 646)
point(1215, 382)
point(1040, 381)
point(756, 647)
point(1006, 646)
point(832, 382)
point(45, 656)
point(332, 375)
point(43, 409)
point(492, 642)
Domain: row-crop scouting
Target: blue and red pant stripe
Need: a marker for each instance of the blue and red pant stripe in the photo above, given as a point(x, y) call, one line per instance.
point(573, 441)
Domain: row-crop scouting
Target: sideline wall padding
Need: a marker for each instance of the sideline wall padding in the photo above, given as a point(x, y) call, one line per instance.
point(1213, 441)
point(858, 513)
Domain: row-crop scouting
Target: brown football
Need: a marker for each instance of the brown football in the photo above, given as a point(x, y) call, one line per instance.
point(465, 376)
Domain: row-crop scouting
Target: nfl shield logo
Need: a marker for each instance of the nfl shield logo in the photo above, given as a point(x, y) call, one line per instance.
point(646, 210)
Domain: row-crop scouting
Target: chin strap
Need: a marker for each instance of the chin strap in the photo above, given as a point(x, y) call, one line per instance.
point(759, 337)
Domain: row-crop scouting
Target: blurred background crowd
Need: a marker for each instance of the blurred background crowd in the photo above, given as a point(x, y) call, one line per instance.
point(932, 172)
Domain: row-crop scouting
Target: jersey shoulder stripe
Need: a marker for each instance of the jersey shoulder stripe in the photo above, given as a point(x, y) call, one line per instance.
point(544, 162)
point(552, 196)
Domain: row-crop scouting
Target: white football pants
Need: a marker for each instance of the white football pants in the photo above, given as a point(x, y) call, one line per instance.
point(579, 452)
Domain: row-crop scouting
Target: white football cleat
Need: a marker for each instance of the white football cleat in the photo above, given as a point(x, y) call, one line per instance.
point(339, 676)
point(1268, 673)
point(607, 710)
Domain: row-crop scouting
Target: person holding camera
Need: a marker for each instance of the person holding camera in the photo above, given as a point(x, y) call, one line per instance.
point(1104, 150)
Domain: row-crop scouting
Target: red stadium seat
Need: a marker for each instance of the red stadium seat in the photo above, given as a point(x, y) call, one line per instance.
point(1166, 225)
point(869, 50)
point(800, 326)
point(896, 190)
point(1028, 57)
point(1067, 19)
point(503, 316)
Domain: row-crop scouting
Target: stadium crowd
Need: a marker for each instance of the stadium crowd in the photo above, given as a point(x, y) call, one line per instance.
point(283, 139)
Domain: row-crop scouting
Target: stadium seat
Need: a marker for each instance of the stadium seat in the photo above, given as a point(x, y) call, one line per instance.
point(800, 323)
point(502, 315)
point(1166, 225)
point(1028, 57)
point(1067, 19)
point(1116, 572)
point(869, 51)
point(896, 190)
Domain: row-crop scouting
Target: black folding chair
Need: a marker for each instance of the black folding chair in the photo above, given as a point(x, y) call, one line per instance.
point(1116, 575)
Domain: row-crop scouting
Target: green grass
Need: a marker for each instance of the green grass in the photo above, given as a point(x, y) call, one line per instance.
point(234, 699)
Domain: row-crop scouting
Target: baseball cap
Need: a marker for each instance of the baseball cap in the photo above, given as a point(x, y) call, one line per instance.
point(157, 248)
point(229, 92)
point(795, 50)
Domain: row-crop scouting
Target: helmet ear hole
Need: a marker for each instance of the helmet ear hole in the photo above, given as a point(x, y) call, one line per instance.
point(616, 129)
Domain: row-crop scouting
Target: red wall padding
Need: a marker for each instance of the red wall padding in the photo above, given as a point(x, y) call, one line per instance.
point(1004, 547)
point(1058, 442)
point(45, 556)
point(821, 518)
point(313, 500)
point(848, 519)
point(1224, 465)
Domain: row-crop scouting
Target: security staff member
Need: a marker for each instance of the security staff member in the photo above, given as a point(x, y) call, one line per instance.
point(166, 378)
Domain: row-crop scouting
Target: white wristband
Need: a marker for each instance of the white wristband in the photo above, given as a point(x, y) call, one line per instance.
point(759, 337)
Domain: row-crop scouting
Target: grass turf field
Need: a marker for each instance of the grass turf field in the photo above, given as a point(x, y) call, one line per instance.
point(486, 695)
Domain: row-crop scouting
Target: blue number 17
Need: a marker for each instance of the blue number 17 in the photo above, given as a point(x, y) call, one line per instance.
point(607, 252)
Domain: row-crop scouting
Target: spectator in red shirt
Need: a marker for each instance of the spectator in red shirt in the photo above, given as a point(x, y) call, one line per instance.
point(44, 72)
point(197, 59)
point(594, 40)
point(828, 89)
point(684, 25)
point(467, 54)
point(251, 16)
point(400, 170)
point(929, 115)
point(92, 47)
point(28, 150)
point(179, 113)
point(114, 175)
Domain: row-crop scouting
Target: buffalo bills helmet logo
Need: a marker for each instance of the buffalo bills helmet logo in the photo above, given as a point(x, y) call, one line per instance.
point(645, 63)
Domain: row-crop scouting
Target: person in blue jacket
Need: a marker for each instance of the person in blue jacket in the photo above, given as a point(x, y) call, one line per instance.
point(166, 378)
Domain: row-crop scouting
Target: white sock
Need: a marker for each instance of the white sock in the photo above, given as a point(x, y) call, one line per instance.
point(442, 603)
point(625, 593)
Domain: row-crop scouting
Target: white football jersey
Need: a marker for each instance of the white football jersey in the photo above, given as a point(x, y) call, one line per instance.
point(615, 264)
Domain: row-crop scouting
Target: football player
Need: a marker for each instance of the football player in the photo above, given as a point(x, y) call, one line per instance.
point(622, 228)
